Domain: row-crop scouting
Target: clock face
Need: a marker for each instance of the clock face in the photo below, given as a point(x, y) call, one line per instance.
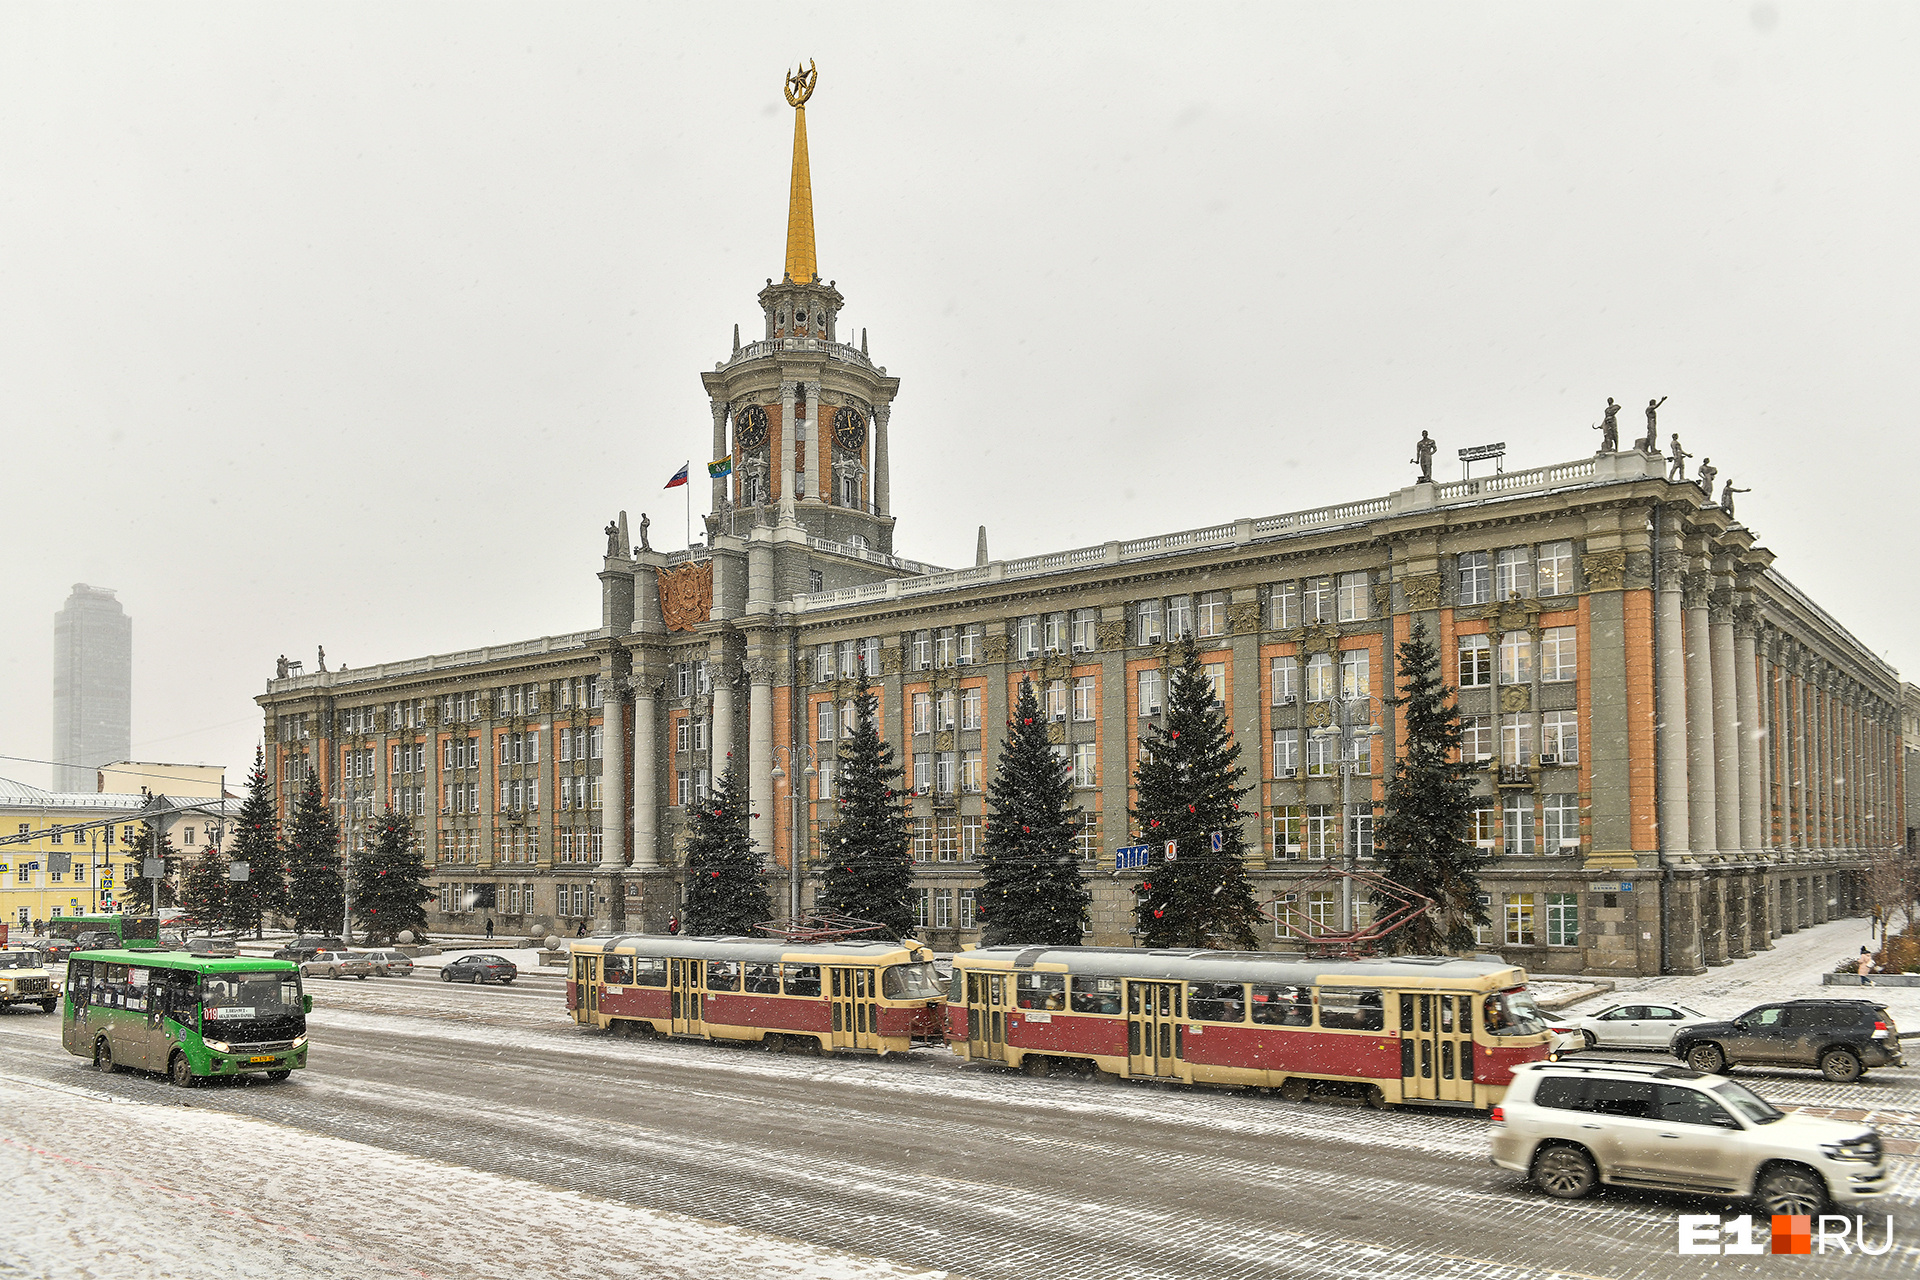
point(750, 427)
point(849, 429)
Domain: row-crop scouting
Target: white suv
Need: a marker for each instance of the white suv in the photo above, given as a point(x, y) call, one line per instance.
point(1572, 1125)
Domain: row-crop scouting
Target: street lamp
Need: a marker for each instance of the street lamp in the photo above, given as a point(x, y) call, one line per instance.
point(1346, 731)
point(794, 798)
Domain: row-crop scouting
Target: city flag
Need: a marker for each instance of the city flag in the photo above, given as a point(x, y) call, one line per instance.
point(679, 477)
point(723, 467)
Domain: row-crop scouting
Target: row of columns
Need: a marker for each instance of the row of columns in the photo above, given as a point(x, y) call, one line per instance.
point(792, 482)
point(1836, 752)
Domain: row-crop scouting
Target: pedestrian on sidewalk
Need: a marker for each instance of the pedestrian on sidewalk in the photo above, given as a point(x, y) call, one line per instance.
point(1865, 967)
point(489, 928)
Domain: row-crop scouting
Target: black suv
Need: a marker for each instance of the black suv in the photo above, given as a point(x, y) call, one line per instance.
point(304, 948)
point(1841, 1037)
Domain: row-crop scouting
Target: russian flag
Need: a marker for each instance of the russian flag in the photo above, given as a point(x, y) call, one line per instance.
point(679, 477)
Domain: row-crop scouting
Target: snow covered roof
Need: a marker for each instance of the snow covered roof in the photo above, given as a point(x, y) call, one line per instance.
point(20, 795)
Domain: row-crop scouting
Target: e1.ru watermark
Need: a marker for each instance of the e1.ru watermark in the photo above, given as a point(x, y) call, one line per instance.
point(1788, 1233)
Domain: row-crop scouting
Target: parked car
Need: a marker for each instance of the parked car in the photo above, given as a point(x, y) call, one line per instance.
point(1630, 1025)
point(211, 945)
point(1841, 1037)
point(1573, 1125)
point(303, 948)
point(336, 964)
point(479, 968)
point(24, 980)
point(389, 964)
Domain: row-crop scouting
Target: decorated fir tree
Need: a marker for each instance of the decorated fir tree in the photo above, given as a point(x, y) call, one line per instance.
point(315, 897)
point(390, 882)
point(1186, 788)
point(865, 853)
point(1424, 837)
point(257, 843)
point(136, 896)
point(1033, 890)
point(204, 889)
point(726, 888)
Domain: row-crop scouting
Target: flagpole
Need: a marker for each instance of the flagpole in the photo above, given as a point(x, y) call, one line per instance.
point(688, 486)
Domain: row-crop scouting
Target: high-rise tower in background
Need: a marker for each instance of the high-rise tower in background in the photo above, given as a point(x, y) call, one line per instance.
point(92, 686)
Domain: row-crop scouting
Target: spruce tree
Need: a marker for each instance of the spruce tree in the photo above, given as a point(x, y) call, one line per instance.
point(1424, 838)
point(1033, 891)
point(1186, 787)
point(866, 852)
point(257, 843)
point(315, 897)
point(390, 882)
point(136, 898)
point(203, 889)
point(726, 888)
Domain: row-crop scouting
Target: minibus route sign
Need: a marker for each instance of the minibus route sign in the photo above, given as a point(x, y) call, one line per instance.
point(1131, 857)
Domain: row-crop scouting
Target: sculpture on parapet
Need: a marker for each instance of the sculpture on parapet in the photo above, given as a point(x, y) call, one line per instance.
point(644, 522)
point(1645, 444)
point(280, 668)
point(1705, 479)
point(1423, 454)
point(613, 540)
point(1677, 469)
point(323, 657)
point(1726, 497)
point(1610, 428)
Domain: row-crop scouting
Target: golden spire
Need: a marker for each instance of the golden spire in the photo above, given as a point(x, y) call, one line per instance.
point(801, 265)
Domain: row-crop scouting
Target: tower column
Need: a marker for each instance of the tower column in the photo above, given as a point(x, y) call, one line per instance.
point(789, 436)
point(760, 671)
point(719, 451)
point(1701, 807)
point(722, 714)
point(1746, 682)
point(1671, 671)
point(646, 688)
point(1726, 722)
point(882, 488)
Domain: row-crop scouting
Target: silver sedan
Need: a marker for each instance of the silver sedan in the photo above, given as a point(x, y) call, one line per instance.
point(1633, 1025)
point(336, 964)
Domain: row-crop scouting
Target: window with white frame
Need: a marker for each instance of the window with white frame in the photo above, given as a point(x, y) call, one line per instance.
point(1476, 739)
point(1283, 606)
point(1210, 613)
point(1356, 673)
point(850, 656)
point(1563, 919)
point(1085, 635)
point(946, 837)
point(1286, 680)
point(1558, 654)
point(1054, 632)
point(1520, 919)
point(970, 778)
point(1360, 754)
point(1286, 753)
point(1088, 838)
point(1085, 767)
point(1055, 699)
point(596, 741)
point(943, 908)
point(869, 651)
point(1323, 832)
point(1518, 825)
point(823, 716)
point(1216, 676)
point(1149, 693)
point(970, 708)
point(923, 839)
point(944, 705)
point(849, 718)
point(923, 771)
point(969, 646)
point(1353, 597)
point(1360, 830)
point(1516, 742)
point(1553, 571)
point(1560, 737)
point(946, 647)
point(1476, 577)
point(920, 907)
point(1084, 702)
point(1287, 819)
point(824, 781)
point(1317, 601)
point(1179, 617)
point(1322, 748)
point(1320, 677)
point(1516, 657)
point(946, 769)
point(972, 831)
point(923, 713)
point(1512, 574)
point(1560, 822)
point(1148, 617)
point(1026, 636)
point(968, 915)
point(1476, 662)
point(922, 650)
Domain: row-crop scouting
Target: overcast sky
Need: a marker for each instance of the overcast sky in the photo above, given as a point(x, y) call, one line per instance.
point(353, 324)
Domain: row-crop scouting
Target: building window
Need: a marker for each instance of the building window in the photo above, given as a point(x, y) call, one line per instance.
point(1146, 622)
point(1149, 698)
point(1026, 636)
point(1083, 699)
point(946, 647)
point(923, 839)
point(1520, 919)
point(1557, 654)
point(970, 771)
point(1085, 767)
point(823, 718)
point(943, 908)
point(1360, 831)
point(1055, 700)
point(1283, 606)
point(1353, 597)
point(947, 837)
point(923, 772)
point(1516, 742)
point(1286, 753)
point(822, 663)
point(922, 651)
point(1560, 737)
point(946, 767)
point(1089, 836)
point(1084, 634)
point(920, 907)
point(969, 646)
point(848, 718)
point(1512, 576)
point(967, 914)
point(849, 656)
point(1560, 816)
point(1360, 754)
point(1563, 919)
point(1476, 577)
point(1476, 662)
point(923, 713)
point(1286, 831)
point(824, 769)
point(1320, 677)
point(1317, 599)
point(1286, 681)
point(1519, 825)
point(1210, 613)
point(1553, 572)
point(1356, 678)
point(1054, 637)
point(970, 708)
point(1323, 832)
point(1322, 908)
point(1179, 617)
point(1516, 657)
point(1486, 827)
point(1321, 748)
point(1216, 676)
point(971, 829)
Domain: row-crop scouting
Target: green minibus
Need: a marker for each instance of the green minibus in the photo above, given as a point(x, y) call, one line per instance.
point(186, 1015)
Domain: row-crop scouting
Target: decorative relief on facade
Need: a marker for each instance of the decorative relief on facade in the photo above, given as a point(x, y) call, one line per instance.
point(943, 741)
point(1422, 591)
point(1518, 614)
point(848, 687)
point(1324, 638)
point(945, 677)
point(1112, 634)
point(1605, 570)
point(1516, 697)
point(993, 646)
point(1319, 714)
point(1698, 586)
point(1720, 600)
point(891, 660)
point(1056, 666)
point(1056, 732)
point(1639, 571)
point(1243, 617)
point(686, 595)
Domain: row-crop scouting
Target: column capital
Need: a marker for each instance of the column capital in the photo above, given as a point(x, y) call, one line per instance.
point(1698, 585)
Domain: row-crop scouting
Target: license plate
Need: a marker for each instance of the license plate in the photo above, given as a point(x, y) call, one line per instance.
point(265, 1057)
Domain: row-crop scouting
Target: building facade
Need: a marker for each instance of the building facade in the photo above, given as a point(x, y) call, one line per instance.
point(1682, 756)
point(92, 686)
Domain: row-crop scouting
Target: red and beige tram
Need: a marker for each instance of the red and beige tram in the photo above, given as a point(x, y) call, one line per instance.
point(1417, 1030)
point(808, 997)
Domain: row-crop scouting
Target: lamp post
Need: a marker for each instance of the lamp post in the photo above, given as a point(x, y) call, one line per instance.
point(808, 770)
point(1346, 732)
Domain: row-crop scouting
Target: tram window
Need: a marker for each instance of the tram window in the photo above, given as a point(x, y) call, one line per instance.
point(1351, 1009)
point(1133, 999)
point(1095, 995)
point(802, 979)
point(763, 979)
point(1216, 1001)
point(619, 970)
point(1041, 991)
point(1446, 1016)
point(1282, 1006)
point(961, 984)
point(910, 981)
point(723, 975)
point(649, 971)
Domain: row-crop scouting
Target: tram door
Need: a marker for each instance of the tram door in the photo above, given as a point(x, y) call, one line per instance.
point(1154, 1042)
point(586, 988)
point(1436, 1046)
point(854, 1014)
point(987, 1016)
point(683, 980)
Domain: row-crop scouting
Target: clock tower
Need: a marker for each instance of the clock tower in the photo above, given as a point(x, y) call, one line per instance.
point(803, 414)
